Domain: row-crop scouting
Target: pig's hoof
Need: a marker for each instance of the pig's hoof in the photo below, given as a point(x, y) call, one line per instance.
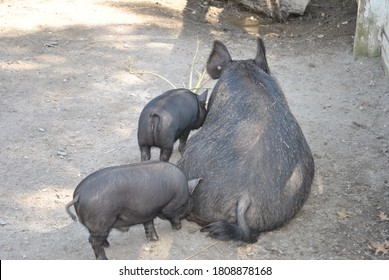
point(124, 229)
point(152, 236)
point(106, 244)
point(176, 225)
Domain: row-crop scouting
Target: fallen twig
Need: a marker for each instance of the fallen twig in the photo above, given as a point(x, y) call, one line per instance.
point(210, 246)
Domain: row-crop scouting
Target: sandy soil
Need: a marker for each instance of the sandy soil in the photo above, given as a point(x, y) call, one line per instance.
point(71, 92)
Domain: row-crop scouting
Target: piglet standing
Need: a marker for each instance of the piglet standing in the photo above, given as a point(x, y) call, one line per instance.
point(121, 196)
point(168, 117)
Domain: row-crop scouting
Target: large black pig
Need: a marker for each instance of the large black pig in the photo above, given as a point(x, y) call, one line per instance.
point(256, 165)
point(168, 117)
point(121, 196)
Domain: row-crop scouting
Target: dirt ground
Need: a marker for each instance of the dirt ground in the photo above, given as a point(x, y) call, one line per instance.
point(72, 88)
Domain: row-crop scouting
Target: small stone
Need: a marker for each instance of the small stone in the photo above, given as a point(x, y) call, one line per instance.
point(51, 44)
point(320, 36)
point(312, 65)
point(3, 223)
point(42, 130)
point(62, 153)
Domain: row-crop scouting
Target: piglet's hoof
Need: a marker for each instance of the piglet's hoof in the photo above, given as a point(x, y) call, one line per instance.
point(152, 237)
point(176, 226)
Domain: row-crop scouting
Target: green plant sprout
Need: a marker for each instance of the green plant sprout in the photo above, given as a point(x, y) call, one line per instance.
point(200, 74)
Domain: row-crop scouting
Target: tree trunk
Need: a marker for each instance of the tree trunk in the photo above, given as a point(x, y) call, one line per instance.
point(277, 9)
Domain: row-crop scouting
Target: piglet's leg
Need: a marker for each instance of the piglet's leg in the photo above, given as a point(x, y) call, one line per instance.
point(183, 139)
point(176, 223)
point(98, 243)
point(151, 234)
point(165, 154)
point(145, 153)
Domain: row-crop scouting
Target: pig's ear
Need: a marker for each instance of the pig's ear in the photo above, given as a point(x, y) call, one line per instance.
point(192, 184)
point(260, 59)
point(218, 60)
point(203, 97)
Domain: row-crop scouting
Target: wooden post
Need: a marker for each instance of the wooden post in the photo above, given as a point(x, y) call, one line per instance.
point(385, 47)
point(372, 15)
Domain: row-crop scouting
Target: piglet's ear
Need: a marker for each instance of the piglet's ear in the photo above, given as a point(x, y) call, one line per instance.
point(218, 60)
point(260, 59)
point(203, 97)
point(192, 184)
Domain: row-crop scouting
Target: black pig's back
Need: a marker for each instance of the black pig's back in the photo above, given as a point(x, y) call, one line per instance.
point(250, 144)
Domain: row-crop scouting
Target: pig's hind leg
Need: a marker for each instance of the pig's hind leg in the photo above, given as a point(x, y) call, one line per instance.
point(145, 153)
point(98, 241)
point(151, 234)
point(183, 138)
point(165, 154)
